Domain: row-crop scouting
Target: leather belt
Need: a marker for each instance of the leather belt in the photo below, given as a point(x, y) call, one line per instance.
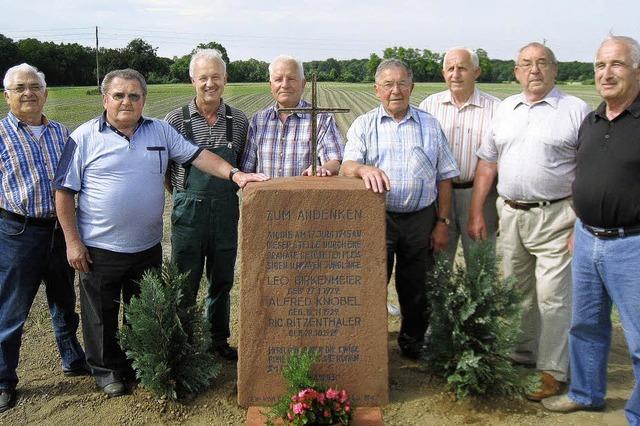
point(612, 232)
point(531, 205)
point(462, 185)
point(36, 221)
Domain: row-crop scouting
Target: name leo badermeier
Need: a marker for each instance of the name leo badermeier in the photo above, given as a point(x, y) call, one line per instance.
point(315, 214)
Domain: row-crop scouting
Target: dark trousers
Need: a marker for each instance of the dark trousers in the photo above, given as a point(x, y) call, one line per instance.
point(204, 236)
point(112, 276)
point(29, 255)
point(409, 246)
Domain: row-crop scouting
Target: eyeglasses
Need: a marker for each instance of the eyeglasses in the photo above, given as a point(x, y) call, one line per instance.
point(21, 88)
point(402, 85)
point(119, 96)
point(542, 64)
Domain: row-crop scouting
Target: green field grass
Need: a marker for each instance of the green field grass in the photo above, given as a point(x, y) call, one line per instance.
point(73, 106)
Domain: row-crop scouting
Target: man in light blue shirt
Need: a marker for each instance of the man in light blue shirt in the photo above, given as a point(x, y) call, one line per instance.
point(116, 164)
point(401, 150)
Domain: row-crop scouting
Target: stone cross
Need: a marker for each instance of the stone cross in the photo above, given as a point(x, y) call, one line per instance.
point(314, 110)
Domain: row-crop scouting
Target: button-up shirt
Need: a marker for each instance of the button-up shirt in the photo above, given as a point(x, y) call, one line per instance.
point(535, 145)
point(413, 153)
point(27, 166)
point(464, 127)
point(280, 149)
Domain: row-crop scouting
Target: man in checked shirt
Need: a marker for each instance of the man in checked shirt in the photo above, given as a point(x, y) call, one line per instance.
point(279, 143)
point(32, 247)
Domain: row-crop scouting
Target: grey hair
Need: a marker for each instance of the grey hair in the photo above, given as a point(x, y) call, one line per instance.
point(548, 51)
point(632, 44)
point(211, 54)
point(125, 74)
point(286, 58)
point(24, 67)
point(472, 54)
point(392, 63)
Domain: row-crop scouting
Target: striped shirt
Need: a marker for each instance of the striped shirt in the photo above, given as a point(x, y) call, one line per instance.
point(208, 136)
point(280, 149)
point(535, 145)
point(464, 127)
point(28, 165)
point(413, 153)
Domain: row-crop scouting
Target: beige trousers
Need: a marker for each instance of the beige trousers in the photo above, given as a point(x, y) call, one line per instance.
point(534, 246)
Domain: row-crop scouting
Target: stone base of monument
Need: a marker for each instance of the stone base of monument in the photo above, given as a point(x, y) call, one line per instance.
point(362, 416)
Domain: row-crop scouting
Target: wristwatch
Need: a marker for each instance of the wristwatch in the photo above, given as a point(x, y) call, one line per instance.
point(233, 172)
point(444, 220)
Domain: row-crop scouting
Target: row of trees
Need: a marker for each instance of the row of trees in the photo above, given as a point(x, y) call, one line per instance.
point(71, 64)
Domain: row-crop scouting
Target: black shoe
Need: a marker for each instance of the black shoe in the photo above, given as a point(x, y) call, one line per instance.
point(114, 389)
point(411, 353)
point(225, 351)
point(7, 399)
point(81, 370)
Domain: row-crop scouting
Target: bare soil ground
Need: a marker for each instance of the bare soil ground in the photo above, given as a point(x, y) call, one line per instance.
point(46, 397)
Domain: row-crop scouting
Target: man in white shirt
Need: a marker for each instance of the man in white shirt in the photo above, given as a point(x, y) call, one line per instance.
point(532, 146)
point(465, 113)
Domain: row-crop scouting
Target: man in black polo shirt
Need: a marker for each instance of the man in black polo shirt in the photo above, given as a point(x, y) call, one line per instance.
point(606, 257)
point(204, 222)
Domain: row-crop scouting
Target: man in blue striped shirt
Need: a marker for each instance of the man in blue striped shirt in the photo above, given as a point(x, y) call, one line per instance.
point(32, 246)
point(401, 150)
point(279, 143)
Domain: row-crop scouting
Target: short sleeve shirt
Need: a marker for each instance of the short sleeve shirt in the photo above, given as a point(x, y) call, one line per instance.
point(414, 154)
point(535, 145)
point(119, 182)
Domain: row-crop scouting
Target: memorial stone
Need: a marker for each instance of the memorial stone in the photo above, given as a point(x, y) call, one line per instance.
point(313, 275)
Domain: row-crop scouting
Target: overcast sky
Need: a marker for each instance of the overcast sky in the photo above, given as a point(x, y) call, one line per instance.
point(341, 29)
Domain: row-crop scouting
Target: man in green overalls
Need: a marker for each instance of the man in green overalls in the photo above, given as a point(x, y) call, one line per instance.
point(205, 215)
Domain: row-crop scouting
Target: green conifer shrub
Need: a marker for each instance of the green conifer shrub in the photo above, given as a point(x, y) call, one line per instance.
point(168, 343)
point(475, 321)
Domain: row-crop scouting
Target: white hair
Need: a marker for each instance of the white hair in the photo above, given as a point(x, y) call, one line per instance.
point(632, 44)
point(392, 63)
point(472, 54)
point(286, 58)
point(211, 54)
point(24, 67)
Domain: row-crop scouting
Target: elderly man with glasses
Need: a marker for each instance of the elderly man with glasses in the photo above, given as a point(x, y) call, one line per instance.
point(31, 243)
point(401, 150)
point(531, 145)
point(116, 164)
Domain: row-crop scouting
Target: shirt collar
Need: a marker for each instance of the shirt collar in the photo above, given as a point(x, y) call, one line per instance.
point(17, 123)
point(411, 113)
point(302, 104)
point(552, 98)
point(474, 99)
point(601, 111)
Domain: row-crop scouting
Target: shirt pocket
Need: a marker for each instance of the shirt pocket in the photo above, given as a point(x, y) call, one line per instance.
point(556, 151)
point(156, 159)
point(421, 164)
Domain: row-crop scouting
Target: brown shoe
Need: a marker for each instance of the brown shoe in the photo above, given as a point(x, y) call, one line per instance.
point(564, 404)
point(549, 386)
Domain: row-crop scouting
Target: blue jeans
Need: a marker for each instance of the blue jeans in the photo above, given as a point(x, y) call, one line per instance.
point(604, 271)
point(30, 254)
